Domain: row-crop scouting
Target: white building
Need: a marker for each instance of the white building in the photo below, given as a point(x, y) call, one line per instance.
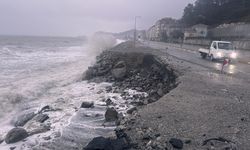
point(163, 29)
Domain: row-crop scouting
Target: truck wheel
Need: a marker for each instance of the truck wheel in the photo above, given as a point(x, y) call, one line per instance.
point(212, 57)
point(203, 55)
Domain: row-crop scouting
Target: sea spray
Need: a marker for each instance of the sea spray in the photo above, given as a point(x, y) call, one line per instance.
point(47, 75)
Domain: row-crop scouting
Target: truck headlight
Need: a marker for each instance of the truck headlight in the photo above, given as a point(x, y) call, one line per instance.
point(234, 55)
point(219, 54)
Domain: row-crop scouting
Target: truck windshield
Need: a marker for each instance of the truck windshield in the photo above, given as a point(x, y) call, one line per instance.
point(225, 46)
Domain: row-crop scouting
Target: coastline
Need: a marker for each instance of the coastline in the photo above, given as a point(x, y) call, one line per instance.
point(72, 117)
point(143, 98)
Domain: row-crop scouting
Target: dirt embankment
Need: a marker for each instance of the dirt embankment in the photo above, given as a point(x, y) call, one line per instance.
point(135, 71)
point(144, 75)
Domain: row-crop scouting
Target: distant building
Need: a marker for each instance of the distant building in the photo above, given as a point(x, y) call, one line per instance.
point(196, 31)
point(162, 29)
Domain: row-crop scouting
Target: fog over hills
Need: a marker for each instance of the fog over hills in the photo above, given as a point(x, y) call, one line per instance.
point(78, 17)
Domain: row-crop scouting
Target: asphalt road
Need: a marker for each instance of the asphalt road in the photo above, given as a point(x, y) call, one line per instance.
point(191, 56)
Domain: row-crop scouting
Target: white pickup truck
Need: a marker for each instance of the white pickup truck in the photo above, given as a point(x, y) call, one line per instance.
point(219, 50)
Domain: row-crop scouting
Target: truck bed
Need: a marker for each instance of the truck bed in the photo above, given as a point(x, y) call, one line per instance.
point(204, 50)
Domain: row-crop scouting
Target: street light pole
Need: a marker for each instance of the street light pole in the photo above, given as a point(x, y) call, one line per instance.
point(135, 34)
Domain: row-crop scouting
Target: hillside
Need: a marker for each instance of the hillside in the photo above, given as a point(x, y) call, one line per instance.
point(215, 12)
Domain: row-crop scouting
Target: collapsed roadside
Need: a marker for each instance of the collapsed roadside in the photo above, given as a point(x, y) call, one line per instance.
point(140, 78)
point(208, 110)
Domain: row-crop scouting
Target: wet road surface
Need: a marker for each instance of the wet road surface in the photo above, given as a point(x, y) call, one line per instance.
point(191, 56)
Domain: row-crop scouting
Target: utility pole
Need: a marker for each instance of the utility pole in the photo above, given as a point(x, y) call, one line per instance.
point(135, 34)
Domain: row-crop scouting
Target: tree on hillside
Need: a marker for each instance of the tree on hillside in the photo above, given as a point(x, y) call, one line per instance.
point(214, 12)
point(177, 34)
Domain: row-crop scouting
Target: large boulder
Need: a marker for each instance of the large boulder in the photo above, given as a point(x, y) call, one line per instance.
point(16, 135)
point(87, 105)
point(99, 143)
point(119, 71)
point(111, 115)
point(119, 144)
point(23, 118)
point(176, 143)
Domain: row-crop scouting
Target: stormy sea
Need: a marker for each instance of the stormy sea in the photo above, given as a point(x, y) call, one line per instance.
point(45, 74)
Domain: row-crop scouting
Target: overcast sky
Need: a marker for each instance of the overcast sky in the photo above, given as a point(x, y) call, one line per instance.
point(82, 17)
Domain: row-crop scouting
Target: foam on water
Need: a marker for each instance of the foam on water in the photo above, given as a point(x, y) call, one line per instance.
point(35, 75)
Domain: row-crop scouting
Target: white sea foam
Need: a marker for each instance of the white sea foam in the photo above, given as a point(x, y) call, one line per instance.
point(34, 75)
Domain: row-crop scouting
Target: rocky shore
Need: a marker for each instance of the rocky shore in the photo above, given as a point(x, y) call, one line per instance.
point(132, 98)
point(125, 81)
point(142, 74)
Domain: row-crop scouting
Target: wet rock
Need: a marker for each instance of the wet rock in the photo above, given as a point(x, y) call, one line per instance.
point(120, 64)
point(119, 131)
point(23, 118)
point(87, 105)
point(16, 135)
point(147, 136)
point(119, 144)
point(1, 139)
point(48, 108)
point(99, 92)
point(119, 71)
point(12, 148)
point(56, 134)
point(145, 101)
point(159, 117)
point(111, 115)
point(219, 143)
point(34, 127)
point(157, 135)
point(47, 138)
point(109, 88)
point(152, 100)
point(176, 143)
point(220, 139)
point(41, 118)
point(45, 108)
point(188, 141)
point(88, 74)
point(154, 67)
point(102, 71)
point(160, 92)
point(108, 102)
point(243, 119)
point(131, 110)
point(99, 143)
